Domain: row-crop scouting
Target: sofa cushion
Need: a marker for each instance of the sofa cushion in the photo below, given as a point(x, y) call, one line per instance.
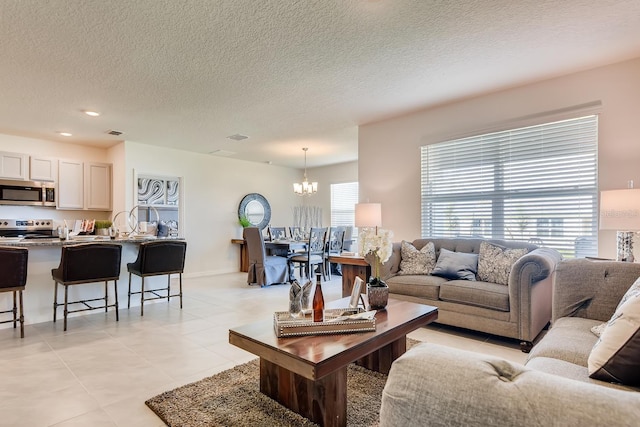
point(495, 262)
point(569, 339)
point(416, 261)
point(614, 357)
point(456, 265)
point(572, 371)
point(421, 286)
point(480, 294)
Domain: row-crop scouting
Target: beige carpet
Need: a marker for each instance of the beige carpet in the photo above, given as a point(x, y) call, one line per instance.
point(233, 398)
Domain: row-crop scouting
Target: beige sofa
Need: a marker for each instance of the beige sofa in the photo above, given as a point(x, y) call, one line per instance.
point(440, 386)
point(518, 310)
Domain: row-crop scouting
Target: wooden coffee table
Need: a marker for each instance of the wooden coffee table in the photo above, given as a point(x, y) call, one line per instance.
point(309, 374)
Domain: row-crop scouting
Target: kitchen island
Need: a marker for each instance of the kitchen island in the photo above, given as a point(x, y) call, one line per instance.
point(44, 255)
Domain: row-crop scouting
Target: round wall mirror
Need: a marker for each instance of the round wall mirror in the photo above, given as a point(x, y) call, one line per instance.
point(256, 209)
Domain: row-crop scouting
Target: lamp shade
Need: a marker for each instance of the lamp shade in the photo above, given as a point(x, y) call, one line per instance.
point(368, 215)
point(620, 210)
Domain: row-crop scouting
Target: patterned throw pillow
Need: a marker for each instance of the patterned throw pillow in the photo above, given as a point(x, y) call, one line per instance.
point(495, 262)
point(416, 261)
point(633, 290)
point(614, 357)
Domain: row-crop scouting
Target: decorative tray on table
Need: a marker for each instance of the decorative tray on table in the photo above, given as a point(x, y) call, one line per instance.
point(336, 321)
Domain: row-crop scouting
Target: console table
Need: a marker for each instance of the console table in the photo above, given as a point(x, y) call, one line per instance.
point(352, 266)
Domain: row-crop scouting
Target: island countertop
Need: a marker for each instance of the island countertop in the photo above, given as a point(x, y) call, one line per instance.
point(29, 243)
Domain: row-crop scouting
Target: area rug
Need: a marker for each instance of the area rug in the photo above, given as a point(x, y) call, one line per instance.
point(233, 398)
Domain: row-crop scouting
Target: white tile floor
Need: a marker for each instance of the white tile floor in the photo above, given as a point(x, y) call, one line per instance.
point(100, 372)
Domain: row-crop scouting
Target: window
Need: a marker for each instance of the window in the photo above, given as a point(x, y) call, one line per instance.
point(535, 183)
point(344, 197)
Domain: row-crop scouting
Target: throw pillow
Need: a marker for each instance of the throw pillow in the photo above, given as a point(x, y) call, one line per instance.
point(456, 265)
point(614, 357)
point(414, 261)
point(598, 329)
point(495, 262)
point(633, 290)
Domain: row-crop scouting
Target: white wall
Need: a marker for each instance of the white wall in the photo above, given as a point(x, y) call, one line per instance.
point(389, 151)
point(325, 176)
point(213, 188)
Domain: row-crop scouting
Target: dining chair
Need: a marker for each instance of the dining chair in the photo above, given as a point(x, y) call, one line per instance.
point(13, 278)
point(335, 244)
point(87, 263)
point(264, 269)
point(157, 258)
point(296, 233)
point(314, 254)
point(277, 233)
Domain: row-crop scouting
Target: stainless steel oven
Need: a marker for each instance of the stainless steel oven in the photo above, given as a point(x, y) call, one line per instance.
point(27, 193)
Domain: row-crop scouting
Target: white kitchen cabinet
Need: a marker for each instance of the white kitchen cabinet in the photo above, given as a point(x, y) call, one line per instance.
point(84, 185)
point(14, 165)
point(43, 168)
point(97, 178)
point(70, 184)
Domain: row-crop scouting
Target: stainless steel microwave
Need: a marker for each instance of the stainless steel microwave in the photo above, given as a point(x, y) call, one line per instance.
point(27, 193)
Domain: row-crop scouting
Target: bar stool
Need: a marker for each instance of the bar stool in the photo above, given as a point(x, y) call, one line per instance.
point(87, 263)
point(157, 258)
point(13, 278)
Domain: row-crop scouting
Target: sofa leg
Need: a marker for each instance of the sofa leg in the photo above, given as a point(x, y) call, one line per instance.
point(525, 346)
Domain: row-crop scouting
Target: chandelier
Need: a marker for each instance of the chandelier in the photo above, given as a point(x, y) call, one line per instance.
point(305, 188)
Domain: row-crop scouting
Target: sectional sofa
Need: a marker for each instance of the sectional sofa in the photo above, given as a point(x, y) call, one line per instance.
point(565, 382)
point(494, 286)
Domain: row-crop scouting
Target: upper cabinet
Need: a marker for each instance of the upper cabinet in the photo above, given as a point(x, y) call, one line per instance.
point(14, 165)
point(43, 169)
point(97, 178)
point(84, 185)
point(70, 184)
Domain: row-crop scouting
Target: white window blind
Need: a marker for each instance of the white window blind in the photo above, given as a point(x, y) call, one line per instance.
point(537, 183)
point(344, 197)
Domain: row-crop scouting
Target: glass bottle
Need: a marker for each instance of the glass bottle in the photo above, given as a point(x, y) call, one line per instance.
point(318, 301)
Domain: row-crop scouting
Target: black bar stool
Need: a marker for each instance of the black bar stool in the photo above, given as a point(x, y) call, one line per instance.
point(13, 278)
point(87, 263)
point(157, 258)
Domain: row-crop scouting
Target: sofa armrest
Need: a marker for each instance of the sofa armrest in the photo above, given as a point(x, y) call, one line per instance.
point(530, 284)
point(441, 386)
point(591, 289)
point(392, 265)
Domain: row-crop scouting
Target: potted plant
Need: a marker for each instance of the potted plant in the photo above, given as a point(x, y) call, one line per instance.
point(244, 222)
point(376, 246)
point(102, 227)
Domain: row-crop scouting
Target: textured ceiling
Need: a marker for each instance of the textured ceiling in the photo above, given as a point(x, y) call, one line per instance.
point(288, 73)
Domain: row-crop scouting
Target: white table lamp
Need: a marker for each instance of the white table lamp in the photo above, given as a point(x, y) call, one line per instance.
point(620, 211)
point(368, 215)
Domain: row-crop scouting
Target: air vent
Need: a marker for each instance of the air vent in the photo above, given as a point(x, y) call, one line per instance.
point(222, 153)
point(114, 132)
point(237, 137)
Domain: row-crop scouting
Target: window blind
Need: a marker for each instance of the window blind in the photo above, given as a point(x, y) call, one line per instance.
point(344, 197)
point(536, 183)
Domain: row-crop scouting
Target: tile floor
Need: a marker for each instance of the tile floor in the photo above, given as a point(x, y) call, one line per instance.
point(100, 372)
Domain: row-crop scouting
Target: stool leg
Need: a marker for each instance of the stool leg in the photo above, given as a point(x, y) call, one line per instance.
point(66, 298)
point(106, 297)
point(15, 309)
point(21, 316)
point(55, 301)
point(129, 293)
point(168, 287)
point(180, 291)
point(142, 298)
point(115, 289)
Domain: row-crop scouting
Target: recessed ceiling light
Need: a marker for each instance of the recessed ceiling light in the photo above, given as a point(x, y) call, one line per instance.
point(237, 137)
point(91, 113)
point(65, 134)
